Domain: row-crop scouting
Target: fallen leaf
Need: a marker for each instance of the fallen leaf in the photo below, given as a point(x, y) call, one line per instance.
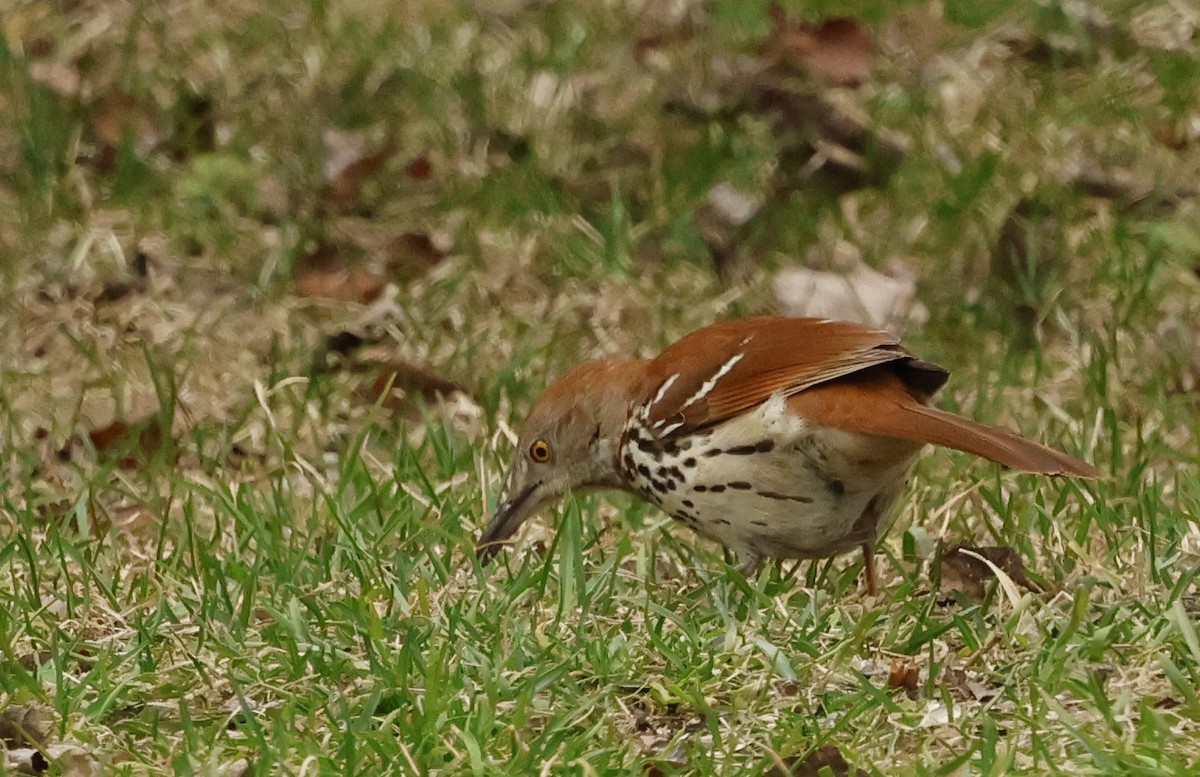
point(828, 758)
point(960, 572)
point(348, 167)
point(903, 676)
point(964, 688)
point(326, 274)
point(118, 116)
point(838, 49)
point(352, 285)
point(134, 442)
point(412, 254)
point(61, 78)
point(31, 661)
point(24, 725)
point(419, 169)
point(239, 768)
point(936, 714)
point(400, 386)
point(72, 760)
point(864, 295)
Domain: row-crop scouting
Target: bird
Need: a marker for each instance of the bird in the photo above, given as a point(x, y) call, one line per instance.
point(779, 438)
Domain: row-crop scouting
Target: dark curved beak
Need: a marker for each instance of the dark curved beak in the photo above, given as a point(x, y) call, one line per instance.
point(508, 518)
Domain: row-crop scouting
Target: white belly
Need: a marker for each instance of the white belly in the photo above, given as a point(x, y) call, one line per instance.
point(767, 485)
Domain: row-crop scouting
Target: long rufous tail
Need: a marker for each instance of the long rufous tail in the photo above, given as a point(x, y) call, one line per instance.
point(939, 427)
point(877, 402)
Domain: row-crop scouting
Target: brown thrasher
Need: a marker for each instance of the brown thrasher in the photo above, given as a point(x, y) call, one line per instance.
point(786, 438)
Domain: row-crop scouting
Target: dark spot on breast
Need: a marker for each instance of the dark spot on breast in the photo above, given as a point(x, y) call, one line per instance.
point(762, 446)
point(786, 497)
point(688, 503)
point(763, 524)
point(836, 487)
point(722, 521)
point(700, 489)
point(717, 488)
point(644, 471)
point(689, 462)
point(713, 452)
point(674, 472)
point(740, 485)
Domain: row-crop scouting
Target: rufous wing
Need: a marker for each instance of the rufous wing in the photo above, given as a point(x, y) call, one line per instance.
point(724, 369)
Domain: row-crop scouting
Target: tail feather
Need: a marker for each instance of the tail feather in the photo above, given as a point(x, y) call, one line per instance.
point(878, 402)
point(920, 423)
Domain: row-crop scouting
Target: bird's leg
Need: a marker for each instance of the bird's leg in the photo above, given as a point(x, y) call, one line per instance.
point(868, 549)
point(869, 522)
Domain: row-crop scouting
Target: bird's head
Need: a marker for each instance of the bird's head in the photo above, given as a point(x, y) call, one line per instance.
point(568, 443)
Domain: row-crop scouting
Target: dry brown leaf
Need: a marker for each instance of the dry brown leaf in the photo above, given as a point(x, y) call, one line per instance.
point(963, 688)
point(838, 49)
point(419, 169)
point(135, 441)
point(356, 284)
point(119, 115)
point(31, 661)
point(903, 676)
point(970, 576)
point(828, 757)
point(348, 167)
point(324, 273)
point(412, 254)
point(401, 387)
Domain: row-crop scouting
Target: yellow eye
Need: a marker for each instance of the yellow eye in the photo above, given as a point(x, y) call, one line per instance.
point(540, 451)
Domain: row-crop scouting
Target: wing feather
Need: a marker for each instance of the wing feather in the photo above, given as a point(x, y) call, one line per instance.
point(724, 369)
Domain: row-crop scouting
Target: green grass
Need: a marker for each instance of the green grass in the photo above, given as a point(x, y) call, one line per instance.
point(288, 578)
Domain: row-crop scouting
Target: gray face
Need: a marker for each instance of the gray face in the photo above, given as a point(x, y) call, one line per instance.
point(536, 478)
point(568, 442)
